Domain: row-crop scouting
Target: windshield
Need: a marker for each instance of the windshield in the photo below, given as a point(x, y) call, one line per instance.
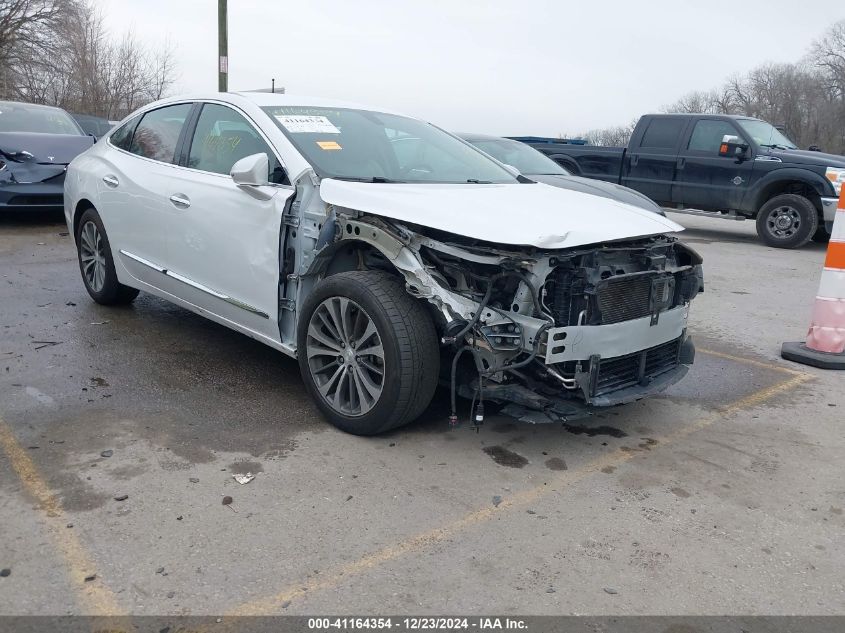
point(376, 147)
point(765, 134)
point(525, 158)
point(19, 117)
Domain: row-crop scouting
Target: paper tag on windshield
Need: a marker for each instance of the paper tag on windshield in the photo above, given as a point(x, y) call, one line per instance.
point(306, 124)
point(329, 145)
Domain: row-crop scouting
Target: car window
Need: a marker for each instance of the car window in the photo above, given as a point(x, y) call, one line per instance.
point(122, 136)
point(663, 133)
point(158, 132)
point(223, 137)
point(707, 135)
point(521, 156)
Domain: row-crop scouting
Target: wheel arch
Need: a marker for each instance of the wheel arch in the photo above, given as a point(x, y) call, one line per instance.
point(348, 255)
point(81, 207)
point(795, 181)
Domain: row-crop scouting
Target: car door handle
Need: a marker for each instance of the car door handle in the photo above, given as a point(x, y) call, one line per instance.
point(682, 163)
point(111, 181)
point(180, 200)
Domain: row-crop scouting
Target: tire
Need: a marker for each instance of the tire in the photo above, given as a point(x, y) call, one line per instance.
point(821, 236)
point(787, 221)
point(98, 275)
point(410, 352)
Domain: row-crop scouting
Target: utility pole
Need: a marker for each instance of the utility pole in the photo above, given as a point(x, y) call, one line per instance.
point(222, 46)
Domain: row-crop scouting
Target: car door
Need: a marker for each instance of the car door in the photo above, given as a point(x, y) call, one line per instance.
point(651, 163)
point(135, 174)
point(705, 180)
point(223, 240)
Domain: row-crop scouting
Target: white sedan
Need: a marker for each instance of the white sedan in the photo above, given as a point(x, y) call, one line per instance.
point(386, 255)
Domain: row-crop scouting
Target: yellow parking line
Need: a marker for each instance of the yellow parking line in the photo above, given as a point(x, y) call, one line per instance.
point(755, 363)
point(334, 577)
point(95, 598)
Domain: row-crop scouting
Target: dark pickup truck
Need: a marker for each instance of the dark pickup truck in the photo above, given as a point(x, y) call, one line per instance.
point(718, 166)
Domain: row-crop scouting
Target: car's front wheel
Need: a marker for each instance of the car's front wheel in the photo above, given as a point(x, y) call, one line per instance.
point(368, 352)
point(97, 264)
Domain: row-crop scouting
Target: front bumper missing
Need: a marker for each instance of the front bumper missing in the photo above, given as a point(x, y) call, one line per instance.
point(548, 409)
point(584, 342)
point(613, 381)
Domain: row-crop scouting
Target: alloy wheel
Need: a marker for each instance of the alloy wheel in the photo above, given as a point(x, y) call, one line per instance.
point(345, 356)
point(92, 254)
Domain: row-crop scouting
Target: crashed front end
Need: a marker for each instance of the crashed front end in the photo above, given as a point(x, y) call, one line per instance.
point(27, 184)
point(552, 332)
point(33, 167)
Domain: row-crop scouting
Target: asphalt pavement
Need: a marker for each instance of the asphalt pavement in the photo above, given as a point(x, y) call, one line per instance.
point(121, 430)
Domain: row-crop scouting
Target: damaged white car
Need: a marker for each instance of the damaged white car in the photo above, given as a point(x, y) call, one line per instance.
point(386, 255)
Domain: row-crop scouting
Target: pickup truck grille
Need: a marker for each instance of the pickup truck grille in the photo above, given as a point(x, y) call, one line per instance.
point(633, 296)
point(637, 368)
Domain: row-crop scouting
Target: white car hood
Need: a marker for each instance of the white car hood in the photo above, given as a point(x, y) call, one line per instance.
point(521, 214)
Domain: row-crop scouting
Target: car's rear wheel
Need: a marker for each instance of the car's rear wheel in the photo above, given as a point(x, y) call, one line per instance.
point(787, 221)
point(368, 352)
point(97, 264)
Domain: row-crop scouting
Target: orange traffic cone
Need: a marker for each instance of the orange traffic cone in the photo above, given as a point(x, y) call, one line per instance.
point(825, 344)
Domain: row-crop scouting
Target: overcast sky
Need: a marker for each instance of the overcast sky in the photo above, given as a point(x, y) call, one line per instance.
point(500, 67)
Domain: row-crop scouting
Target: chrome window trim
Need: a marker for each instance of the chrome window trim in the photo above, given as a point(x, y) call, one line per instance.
point(249, 119)
point(193, 284)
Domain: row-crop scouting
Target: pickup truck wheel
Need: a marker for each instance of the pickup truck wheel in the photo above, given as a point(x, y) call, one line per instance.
point(787, 221)
point(368, 352)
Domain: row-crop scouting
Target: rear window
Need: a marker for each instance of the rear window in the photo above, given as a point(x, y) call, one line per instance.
point(158, 132)
point(663, 133)
point(24, 117)
point(122, 136)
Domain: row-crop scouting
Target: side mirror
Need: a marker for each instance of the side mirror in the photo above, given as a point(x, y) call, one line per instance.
point(251, 171)
point(513, 170)
point(733, 147)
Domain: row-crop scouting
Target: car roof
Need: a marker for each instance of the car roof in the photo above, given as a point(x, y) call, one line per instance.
point(738, 117)
point(266, 99)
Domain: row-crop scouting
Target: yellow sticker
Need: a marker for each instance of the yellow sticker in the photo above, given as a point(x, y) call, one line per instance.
point(329, 145)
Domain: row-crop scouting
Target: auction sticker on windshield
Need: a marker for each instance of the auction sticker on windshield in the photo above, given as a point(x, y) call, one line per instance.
point(329, 145)
point(301, 124)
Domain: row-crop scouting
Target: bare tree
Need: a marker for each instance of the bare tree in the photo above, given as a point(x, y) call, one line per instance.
point(27, 32)
point(806, 98)
point(613, 136)
point(94, 73)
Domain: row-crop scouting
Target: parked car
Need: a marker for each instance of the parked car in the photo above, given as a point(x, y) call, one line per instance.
point(719, 166)
point(94, 125)
point(36, 144)
point(306, 225)
point(539, 167)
